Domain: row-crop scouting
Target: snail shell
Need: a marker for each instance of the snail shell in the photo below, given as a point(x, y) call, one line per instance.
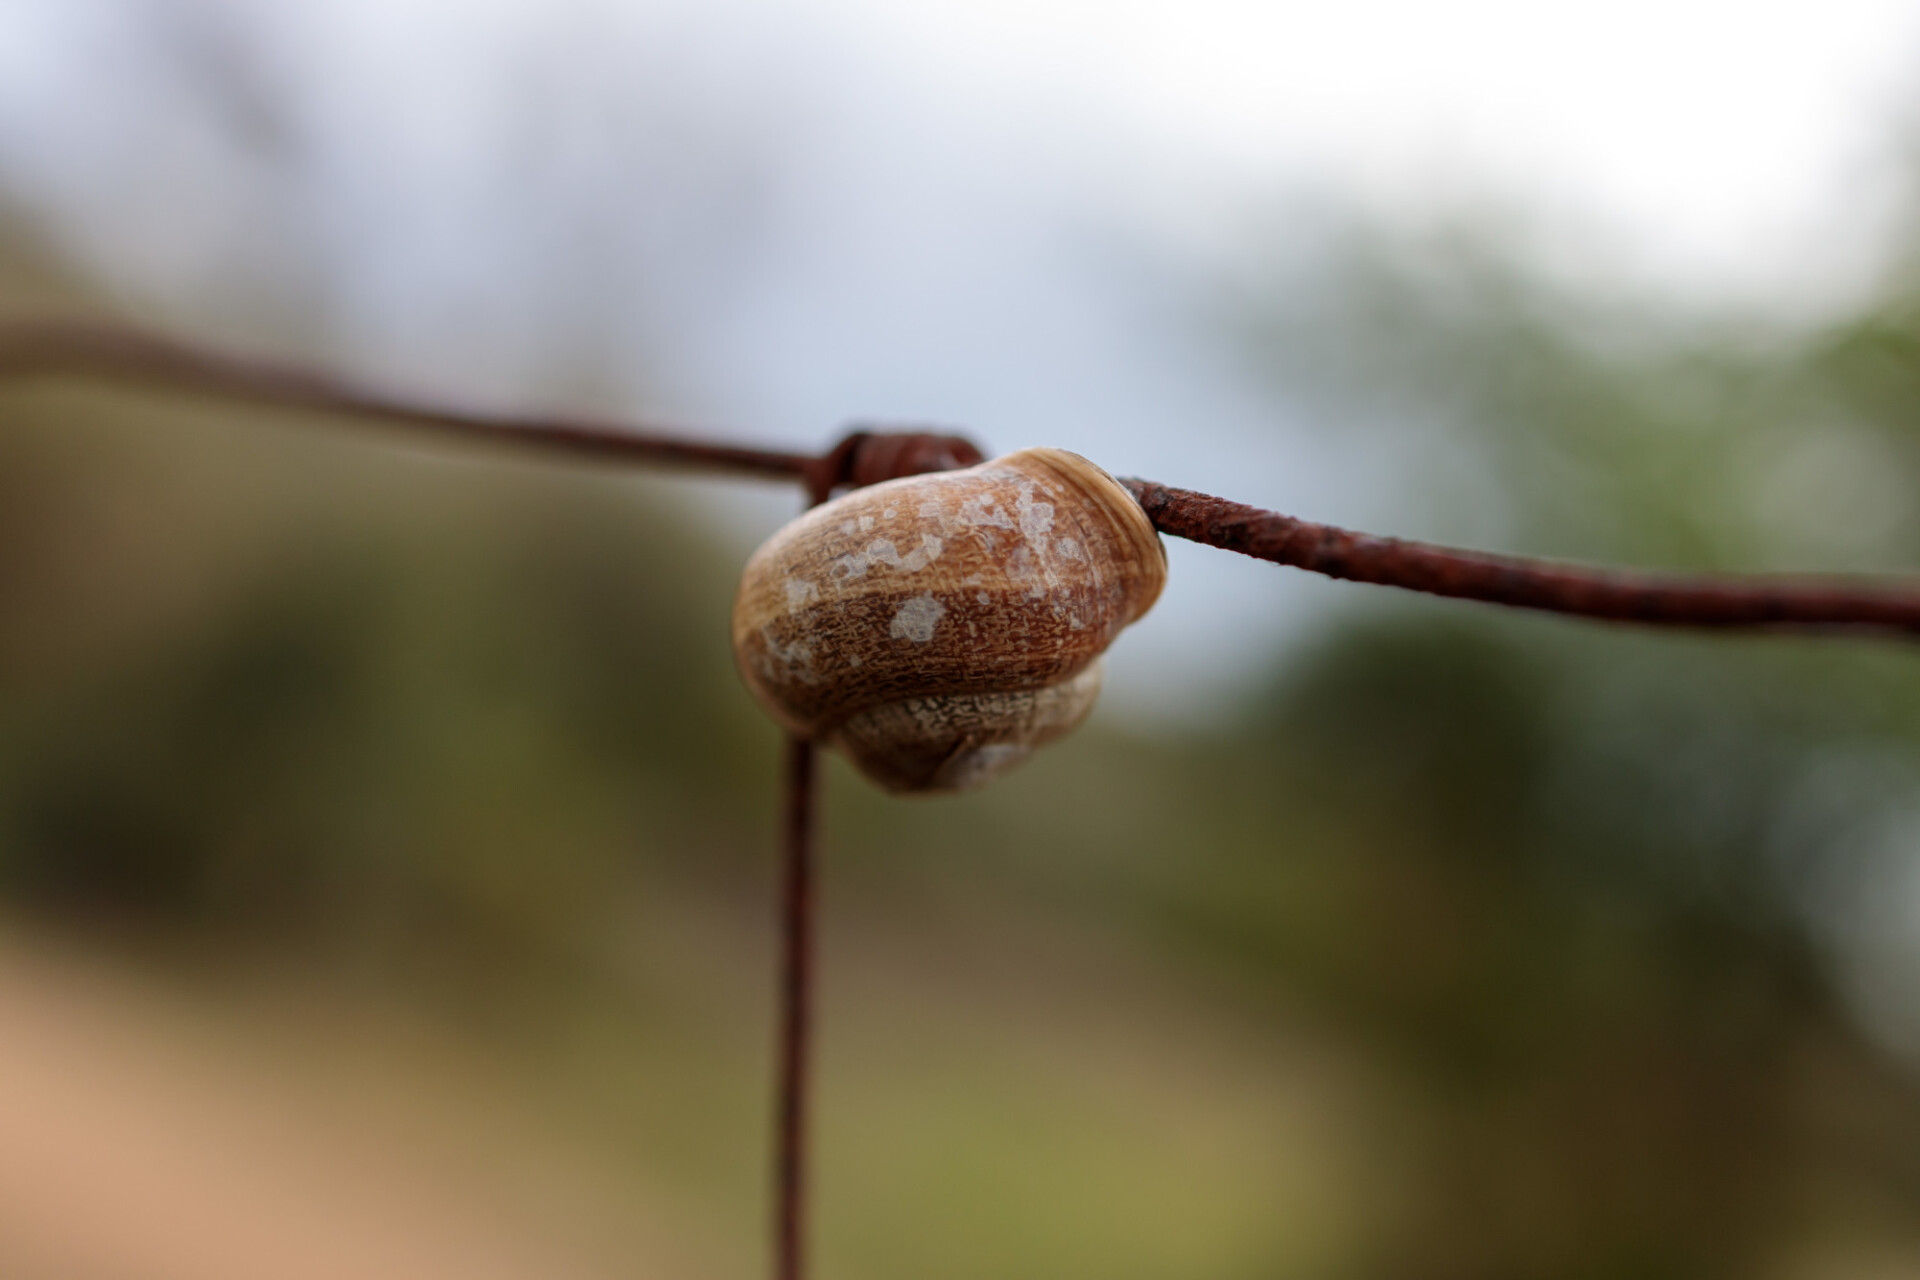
point(939, 627)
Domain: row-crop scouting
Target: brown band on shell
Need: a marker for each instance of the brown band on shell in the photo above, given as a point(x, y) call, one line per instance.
point(955, 741)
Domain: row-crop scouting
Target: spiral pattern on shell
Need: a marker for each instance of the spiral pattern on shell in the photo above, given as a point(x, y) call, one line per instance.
point(938, 628)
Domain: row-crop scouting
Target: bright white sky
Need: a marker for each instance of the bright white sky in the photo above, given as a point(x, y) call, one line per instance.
point(1715, 128)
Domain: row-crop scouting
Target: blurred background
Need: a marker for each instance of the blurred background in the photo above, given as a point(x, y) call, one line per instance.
point(386, 845)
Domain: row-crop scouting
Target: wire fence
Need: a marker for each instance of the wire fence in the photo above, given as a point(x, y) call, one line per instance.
point(862, 458)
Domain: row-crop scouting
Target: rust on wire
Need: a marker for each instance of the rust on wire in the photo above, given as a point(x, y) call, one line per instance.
point(120, 355)
point(875, 456)
point(793, 1063)
point(1678, 600)
point(864, 457)
point(870, 457)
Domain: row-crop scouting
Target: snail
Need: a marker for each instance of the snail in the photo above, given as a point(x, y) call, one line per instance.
point(937, 628)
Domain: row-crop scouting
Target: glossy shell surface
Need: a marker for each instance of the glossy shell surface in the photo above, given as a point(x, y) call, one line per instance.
point(939, 627)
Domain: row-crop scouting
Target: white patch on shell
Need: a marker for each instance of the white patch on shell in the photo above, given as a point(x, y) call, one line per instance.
point(923, 555)
point(1067, 548)
point(1036, 518)
point(800, 594)
point(889, 513)
point(916, 619)
point(881, 551)
point(795, 660)
point(866, 524)
point(979, 512)
point(1021, 564)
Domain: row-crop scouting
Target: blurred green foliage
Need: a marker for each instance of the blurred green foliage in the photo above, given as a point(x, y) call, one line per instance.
point(1568, 903)
point(402, 694)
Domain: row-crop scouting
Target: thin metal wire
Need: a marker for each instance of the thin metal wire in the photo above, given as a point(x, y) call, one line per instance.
point(1716, 601)
point(793, 1053)
point(793, 1066)
point(1661, 599)
point(75, 350)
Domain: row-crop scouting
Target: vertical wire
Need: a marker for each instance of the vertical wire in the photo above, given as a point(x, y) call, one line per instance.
point(792, 1130)
point(792, 1073)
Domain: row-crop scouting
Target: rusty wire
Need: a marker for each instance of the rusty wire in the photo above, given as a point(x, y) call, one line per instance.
point(1659, 599)
point(869, 457)
point(793, 1061)
point(93, 352)
point(29, 350)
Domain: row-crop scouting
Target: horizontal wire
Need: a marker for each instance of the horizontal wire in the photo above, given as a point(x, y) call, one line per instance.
point(75, 350)
point(862, 458)
point(1660, 599)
